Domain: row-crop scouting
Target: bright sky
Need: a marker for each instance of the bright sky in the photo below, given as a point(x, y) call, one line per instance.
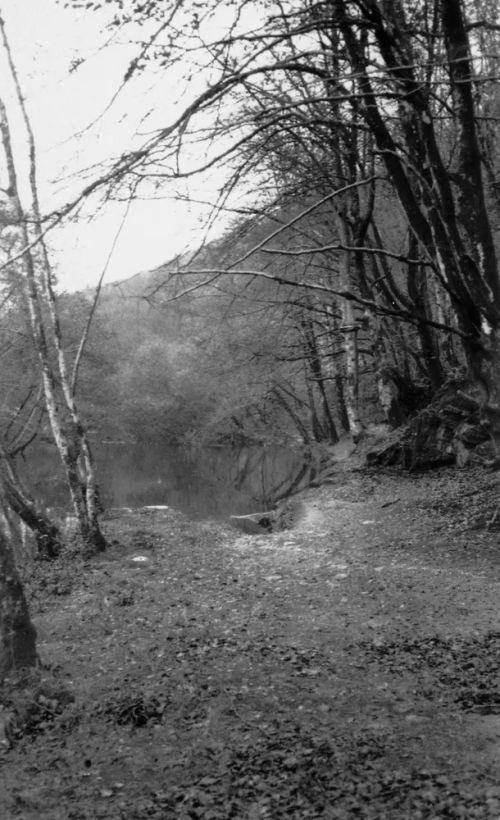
point(45, 39)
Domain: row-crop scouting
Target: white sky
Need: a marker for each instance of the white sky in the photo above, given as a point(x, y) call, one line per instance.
point(45, 39)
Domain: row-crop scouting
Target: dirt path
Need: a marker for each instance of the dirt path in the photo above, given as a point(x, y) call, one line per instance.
point(348, 667)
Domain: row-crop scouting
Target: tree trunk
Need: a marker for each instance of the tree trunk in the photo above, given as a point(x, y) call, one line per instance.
point(69, 434)
point(349, 327)
point(341, 405)
point(17, 633)
point(317, 429)
point(48, 537)
point(417, 290)
point(327, 426)
point(493, 373)
point(350, 331)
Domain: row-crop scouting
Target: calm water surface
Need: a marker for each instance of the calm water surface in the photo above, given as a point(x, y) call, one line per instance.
point(202, 482)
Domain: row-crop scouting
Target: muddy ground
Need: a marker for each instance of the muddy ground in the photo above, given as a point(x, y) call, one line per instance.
point(346, 667)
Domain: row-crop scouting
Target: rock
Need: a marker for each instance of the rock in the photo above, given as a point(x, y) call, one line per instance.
point(447, 431)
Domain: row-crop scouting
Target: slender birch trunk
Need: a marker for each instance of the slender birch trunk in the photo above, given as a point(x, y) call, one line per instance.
point(83, 488)
point(351, 392)
point(350, 333)
point(347, 213)
point(70, 446)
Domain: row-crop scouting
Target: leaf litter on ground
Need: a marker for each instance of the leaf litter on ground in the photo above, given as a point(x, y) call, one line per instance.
point(234, 676)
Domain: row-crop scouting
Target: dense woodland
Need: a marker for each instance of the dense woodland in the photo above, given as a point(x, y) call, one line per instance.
point(355, 282)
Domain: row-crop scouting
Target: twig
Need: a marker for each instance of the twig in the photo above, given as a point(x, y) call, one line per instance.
point(493, 518)
point(85, 334)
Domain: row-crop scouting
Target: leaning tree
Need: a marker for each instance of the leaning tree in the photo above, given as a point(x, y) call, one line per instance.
point(30, 269)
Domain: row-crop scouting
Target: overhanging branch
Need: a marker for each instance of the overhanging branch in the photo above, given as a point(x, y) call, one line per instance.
point(403, 315)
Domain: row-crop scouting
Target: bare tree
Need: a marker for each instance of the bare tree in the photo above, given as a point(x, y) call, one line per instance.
point(34, 272)
point(398, 81)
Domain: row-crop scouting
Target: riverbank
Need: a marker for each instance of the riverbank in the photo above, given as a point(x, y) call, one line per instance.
point(347, 667)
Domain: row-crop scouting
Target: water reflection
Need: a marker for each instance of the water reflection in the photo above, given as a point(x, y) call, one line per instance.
point(204, 483)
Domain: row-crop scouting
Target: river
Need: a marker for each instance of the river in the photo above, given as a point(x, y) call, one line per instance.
point(211, 482)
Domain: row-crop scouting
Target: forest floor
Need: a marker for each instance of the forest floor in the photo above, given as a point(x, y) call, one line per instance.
point(345, 668)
